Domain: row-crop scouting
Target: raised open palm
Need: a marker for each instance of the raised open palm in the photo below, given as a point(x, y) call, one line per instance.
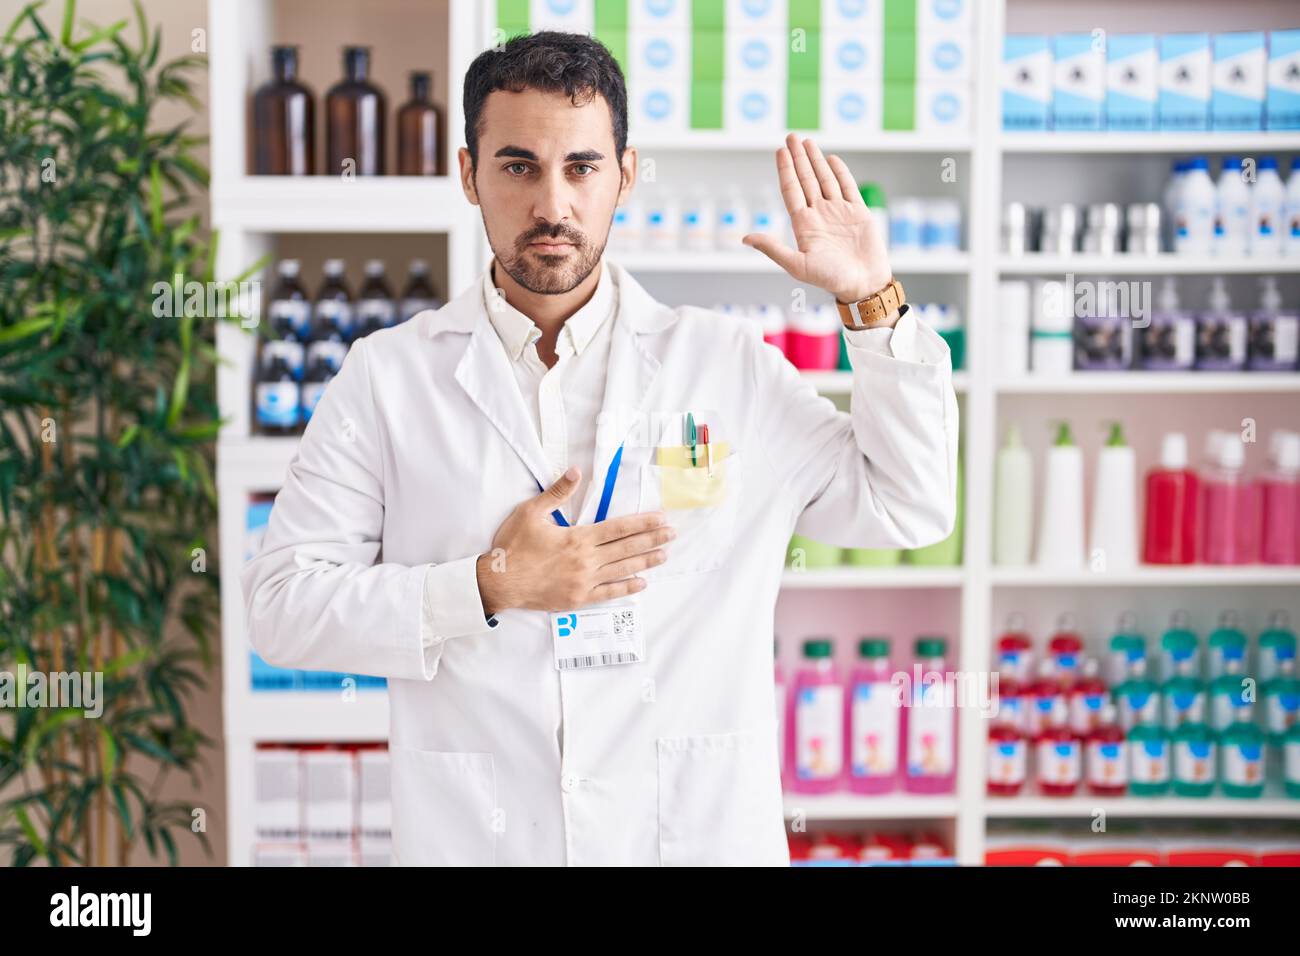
point(839, 243)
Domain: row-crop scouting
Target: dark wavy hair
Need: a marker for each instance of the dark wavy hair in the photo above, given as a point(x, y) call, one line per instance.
point(574, 64)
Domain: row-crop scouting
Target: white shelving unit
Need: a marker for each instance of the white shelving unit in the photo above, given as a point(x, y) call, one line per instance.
point(251, 212)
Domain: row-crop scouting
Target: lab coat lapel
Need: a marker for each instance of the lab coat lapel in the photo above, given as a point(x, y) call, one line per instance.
point(484, 372)
point(630, 371)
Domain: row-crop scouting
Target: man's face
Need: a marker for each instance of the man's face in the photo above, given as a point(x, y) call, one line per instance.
point(547, 183)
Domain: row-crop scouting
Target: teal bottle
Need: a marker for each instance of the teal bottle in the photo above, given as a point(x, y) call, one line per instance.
point(1281, 696)
point(1291, 762)
point(1276, 644)
point(1227, 643)
point(1138, 698)
point(1179, 649)
point(1149, 759)
point(1231, 697)
point(1242, 762)
point(1194, 761)
point(1182, 702)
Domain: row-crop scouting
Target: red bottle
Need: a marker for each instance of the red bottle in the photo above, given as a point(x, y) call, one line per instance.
point(1172, 507)
point(1045, 703)
point(1059, 762)
point(1066, 650)
point(1088, 698)
point(1015, 650)
point(1107, 757)
point(1008, 758)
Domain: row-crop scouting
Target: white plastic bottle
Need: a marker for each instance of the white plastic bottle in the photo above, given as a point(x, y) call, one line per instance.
point(663, 221)
point(699, 222)
point(1291, 213)
point(1232, 215)
point(1267, 210)
point(1194, 210)
point(1114, 533)
point(733, 221)
point(1060, 525)
point(1173, 185)
point(1013, 512)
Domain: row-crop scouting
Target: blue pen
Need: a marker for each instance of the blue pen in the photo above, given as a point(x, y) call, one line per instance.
point(689, 438)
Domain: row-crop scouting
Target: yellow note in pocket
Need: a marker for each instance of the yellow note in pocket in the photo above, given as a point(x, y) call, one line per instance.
point(682, 485)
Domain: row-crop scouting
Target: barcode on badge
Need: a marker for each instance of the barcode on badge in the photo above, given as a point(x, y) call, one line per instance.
point(597, 660)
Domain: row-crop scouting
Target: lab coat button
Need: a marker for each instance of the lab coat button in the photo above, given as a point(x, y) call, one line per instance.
point(569, 782)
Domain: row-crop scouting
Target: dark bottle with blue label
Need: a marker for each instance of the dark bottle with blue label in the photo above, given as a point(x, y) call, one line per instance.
point(320, 372)
point(277, 398)
point(289, 311)
point(333, 308)
point(376, 308)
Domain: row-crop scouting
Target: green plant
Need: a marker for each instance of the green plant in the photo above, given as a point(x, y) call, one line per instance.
point(107, 422)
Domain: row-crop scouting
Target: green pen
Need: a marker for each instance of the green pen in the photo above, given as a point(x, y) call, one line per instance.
point(689, 436)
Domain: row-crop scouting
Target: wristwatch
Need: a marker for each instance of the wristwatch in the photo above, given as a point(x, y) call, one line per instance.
point(872, 311)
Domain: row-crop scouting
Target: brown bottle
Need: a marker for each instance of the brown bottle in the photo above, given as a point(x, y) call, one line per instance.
point(419, 131)
point(284, 120)
point(354, 119)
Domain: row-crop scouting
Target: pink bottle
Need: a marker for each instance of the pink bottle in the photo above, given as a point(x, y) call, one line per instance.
point(1088, 698)
point(1066, 649)
point(1280, 495)
point(1173, 501)
point(1230, 508)
point(1106, 756)
point(1046, 705)
point(812, 339)
point(817, 721)
point(771, 321)
point(930, 723)
point(871, 721)
point(1015, 651)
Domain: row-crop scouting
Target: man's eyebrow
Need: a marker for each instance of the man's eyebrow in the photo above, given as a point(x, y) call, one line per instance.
point(518, 152)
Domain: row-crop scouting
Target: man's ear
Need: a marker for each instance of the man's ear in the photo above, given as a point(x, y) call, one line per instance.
point(628, 169)
point(467, 175)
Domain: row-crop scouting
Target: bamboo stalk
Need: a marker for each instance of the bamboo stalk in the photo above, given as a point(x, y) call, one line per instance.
point(98, 547)
point(46, 559)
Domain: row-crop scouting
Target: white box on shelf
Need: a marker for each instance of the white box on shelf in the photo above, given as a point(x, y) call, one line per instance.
point(659, 15)
point(848, 107)
point(571, 16)
point(944, 55)
point(958, 15)
point(1132, 82)
point(374, 800)
point(942, 107)
point(1026, 82)
point(1184, 81)
point(1078, 81)
point(658, 81)
point(1240, 81)
point(757, 16)
point(329, 793)
point(1282, 105)
point(277, 796)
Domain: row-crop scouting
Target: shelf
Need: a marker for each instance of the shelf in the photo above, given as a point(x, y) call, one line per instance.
point(1173, 383)
point(257, 461)
point(431, 204)
point(865, 142)
point(1189, 576)
point(900, 576)
point(1165, 264)
point(1275, 807)
point(1104, 142)
point(888, 806)
point(308, 715)
point(751, 261)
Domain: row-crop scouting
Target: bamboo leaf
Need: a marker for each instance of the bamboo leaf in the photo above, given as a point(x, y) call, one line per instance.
point(69, 14)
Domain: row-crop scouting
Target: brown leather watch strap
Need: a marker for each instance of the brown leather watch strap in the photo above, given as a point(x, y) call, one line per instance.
point(874, 309)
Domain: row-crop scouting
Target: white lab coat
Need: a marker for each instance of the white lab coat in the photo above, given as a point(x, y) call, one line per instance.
point(418, 451)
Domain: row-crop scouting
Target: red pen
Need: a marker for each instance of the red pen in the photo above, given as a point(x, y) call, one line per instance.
point(708, 449)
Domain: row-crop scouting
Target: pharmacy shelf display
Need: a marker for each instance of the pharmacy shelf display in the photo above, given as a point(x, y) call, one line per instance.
point(928, 125)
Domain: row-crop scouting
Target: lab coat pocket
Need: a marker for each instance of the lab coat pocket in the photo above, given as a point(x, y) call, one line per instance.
point(720, 800)
point(444, 807)
point(701, 508)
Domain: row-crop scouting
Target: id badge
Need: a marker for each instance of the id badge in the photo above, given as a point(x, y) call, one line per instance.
point(597, 637)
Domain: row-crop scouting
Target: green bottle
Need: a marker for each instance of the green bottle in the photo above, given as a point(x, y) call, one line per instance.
point(1276, 644)
point(1230, 698)
point(1241, 752)
point(1281, 702)
point(1148, 748)
point(1179, 649)
point(1126, 646)
point(1183, 702)
point(1138, 698)
point(815, 554)
point(946, 553)
point(1194, 760)
point(1227, 643)
point(1291, 762)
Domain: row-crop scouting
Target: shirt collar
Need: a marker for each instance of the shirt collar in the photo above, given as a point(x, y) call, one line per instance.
point(517, 331)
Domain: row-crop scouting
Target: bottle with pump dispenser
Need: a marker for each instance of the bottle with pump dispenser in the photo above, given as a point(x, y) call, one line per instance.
point(1221, 333)
point(1060, 526)
point(1168, 343)
point(1273, 334)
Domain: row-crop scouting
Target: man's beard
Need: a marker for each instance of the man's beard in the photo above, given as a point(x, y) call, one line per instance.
point(546, 274)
